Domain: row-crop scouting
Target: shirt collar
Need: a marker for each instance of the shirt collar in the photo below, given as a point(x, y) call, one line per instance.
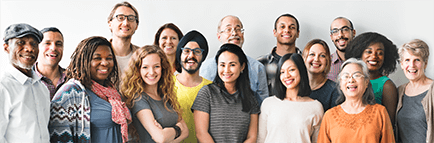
point(275, 55)
point(21, 77)
point(335, 57)
point(61, 70)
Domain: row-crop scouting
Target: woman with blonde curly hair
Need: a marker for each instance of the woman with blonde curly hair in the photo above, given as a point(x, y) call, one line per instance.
point(148, 90)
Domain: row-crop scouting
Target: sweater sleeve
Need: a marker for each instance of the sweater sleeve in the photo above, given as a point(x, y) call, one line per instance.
point(324, 131)
point(262, 127)
point(387, 129)
point(70, 115)
point(317, 123)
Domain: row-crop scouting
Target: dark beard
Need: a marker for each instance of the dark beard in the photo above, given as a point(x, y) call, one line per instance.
point(342, 50)
point(191, 71)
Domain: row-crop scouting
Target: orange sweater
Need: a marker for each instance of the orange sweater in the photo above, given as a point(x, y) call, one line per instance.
point(372, 125)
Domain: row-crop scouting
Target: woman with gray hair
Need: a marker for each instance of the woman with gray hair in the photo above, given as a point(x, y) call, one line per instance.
point(356, 118)
point(414, 122)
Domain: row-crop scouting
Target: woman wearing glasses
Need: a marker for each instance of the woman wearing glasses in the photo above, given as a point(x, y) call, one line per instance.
point(226, 110)
point(291, 115)
point(356, 118)
point(414, 115)
point(381, 56)
point(167, 38)
point(149, 92)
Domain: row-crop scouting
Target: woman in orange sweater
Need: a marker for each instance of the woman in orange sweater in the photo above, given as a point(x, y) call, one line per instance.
point(356, 118)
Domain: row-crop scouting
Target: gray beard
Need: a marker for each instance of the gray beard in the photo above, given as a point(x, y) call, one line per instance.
point(19, 64)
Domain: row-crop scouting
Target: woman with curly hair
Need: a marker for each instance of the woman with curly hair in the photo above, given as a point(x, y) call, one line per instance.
point(88, 108)
point(148, 90)
point(381, 56)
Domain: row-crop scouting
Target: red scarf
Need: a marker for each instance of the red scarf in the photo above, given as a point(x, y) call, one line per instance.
point(120, 113)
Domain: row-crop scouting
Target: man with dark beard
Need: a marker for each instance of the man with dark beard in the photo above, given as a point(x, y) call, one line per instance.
point(341, 32)
point(286, 30)
point(191, 51)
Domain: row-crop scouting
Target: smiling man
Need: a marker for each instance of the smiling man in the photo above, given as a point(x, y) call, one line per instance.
point(286, 30)
point(24, 100)
point(230, 30)
point(50, 54)
point(341, 33)
point(190, 53)
point(123, 22)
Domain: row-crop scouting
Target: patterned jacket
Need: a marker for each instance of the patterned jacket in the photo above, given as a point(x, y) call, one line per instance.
point(70, 114)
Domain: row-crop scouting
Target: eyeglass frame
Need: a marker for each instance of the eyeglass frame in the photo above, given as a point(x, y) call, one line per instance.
point(192, 50)
point(340, 29)
point(230, 30)
point(352, 76)
point(128, 17)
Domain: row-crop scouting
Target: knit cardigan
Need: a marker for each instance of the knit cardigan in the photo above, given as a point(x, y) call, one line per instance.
point(70, 114)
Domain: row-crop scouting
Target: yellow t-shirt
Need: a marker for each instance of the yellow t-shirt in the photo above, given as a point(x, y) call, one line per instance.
point(186, 97)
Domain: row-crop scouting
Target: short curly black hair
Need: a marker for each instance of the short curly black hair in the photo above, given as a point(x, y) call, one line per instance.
point(361, 42)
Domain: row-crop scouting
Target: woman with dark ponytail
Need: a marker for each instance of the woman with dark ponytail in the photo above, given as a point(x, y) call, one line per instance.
point(226, 110)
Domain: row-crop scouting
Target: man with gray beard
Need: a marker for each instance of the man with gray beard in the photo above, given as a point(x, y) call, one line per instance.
point(24, 99)
point(230, 30)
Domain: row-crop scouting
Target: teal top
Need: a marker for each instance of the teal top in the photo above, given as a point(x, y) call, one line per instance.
point(377, 86)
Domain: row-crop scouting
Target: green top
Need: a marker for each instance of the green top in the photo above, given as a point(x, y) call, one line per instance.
point(377, 86)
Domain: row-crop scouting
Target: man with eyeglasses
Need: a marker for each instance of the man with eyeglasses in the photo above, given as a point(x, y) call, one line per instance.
point(123, 21)
point(341, 33)
point(191, 51)
point(230, 30)
point(286, 30)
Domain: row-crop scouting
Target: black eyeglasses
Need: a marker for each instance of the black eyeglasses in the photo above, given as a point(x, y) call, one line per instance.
point(344, 30)
point(121, 17)
point(196, 51)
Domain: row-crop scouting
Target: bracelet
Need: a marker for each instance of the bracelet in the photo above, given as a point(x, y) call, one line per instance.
point(177, 130)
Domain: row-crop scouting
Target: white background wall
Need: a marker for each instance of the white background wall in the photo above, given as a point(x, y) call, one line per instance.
point(400, 21)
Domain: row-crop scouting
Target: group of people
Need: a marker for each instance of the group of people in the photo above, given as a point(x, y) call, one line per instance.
point(114, 91)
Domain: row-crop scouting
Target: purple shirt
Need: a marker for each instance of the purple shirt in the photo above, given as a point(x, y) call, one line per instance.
point(334, 67)
point(48, 83)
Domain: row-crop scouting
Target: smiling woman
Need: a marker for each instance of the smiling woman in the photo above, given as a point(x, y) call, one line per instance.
point(356, 118)
point(97, 109)
point(226, 110)
point(372, 47)
point(148, 88)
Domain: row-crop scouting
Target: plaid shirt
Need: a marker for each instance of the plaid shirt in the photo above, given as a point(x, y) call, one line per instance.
point(48, 83)
point(270, 62)
point(334, 67)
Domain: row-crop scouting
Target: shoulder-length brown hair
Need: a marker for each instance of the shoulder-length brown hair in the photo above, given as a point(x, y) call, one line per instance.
point(79, 68)
point(326, 48)
point(133, 84)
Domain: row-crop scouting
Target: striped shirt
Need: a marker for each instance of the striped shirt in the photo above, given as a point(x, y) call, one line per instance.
point(334, 67)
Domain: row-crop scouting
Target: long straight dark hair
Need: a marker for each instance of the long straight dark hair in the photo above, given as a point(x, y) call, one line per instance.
point(304, 89)
point(243, 83)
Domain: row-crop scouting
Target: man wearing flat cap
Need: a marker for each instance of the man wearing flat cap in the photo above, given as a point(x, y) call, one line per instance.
point(24, 99)
point(192, 49)
point(230, 30)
